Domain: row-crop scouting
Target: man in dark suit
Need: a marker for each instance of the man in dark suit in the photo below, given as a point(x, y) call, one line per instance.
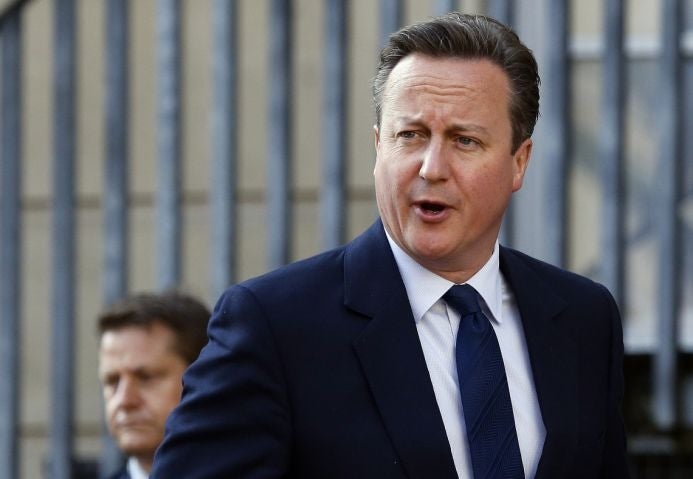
point(422, 349)
point(146, 342)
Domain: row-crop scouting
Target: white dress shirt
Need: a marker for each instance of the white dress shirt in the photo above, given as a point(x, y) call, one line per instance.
point(135, 470)
point(437, 326)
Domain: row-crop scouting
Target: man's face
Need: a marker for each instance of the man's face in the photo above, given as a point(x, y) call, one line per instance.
point(141, 379)
point(445, 169)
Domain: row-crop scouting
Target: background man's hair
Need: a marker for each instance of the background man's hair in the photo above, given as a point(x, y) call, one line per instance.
point(461, 35)
point(183, 314)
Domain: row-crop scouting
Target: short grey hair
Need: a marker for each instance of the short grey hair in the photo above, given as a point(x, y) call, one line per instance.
point(460, 35)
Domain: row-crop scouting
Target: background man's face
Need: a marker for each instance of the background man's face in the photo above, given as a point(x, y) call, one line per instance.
point(444, 168)
point(141, 379)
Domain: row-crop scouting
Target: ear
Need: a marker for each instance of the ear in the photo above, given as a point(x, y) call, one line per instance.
point(520, 162)
point(376, 134)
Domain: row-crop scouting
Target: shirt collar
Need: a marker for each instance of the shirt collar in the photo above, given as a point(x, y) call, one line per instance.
point(425, 288)
point(135, 470)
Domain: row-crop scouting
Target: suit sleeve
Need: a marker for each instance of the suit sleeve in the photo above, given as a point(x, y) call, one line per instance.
point(233, 419)
point(615, 464)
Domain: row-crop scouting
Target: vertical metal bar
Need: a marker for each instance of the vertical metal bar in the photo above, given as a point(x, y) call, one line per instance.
point(10, 242)
point(668, 195)
point(115, 215)
point(333, 204)
point(391, 16)
point(168, 193)
point(611, 143)
point(279, 177)
point(63, 239)
point(501, 10)
point(224, 137)
point(116, 178)
point(556, 111)
point(441, 7)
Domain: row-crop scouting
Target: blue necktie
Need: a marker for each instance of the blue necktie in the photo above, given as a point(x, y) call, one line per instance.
point(488, 412)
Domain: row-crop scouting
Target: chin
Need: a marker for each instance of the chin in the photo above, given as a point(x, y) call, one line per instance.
point(430, 248)
point(432, 260)
point(137, 446)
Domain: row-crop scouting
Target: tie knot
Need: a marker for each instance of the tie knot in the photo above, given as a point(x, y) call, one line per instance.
point(464, 298)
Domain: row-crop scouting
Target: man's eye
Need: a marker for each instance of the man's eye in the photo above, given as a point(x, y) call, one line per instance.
point(466, 141)
point(146, 377)
point(407, 135)
point(110, 383)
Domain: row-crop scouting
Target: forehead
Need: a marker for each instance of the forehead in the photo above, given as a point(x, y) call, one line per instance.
point(448, 80)
point(136, 346)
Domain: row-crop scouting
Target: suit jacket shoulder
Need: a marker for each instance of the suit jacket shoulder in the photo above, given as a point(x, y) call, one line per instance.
point(313, 370)
point(560, 279)
point(533, 281)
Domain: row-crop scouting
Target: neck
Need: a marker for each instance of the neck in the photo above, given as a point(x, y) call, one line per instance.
point(145, 462)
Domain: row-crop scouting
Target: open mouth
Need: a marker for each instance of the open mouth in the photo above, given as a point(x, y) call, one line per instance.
point(431, 208)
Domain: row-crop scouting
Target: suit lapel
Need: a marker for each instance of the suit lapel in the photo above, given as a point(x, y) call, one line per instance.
point(392, 359)
point(393, 363)
point(553, 356)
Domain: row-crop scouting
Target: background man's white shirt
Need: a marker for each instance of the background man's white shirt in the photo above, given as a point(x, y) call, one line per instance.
point(135, 470)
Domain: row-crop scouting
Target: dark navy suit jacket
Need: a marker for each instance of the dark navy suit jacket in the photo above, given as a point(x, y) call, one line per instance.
point(316, 371)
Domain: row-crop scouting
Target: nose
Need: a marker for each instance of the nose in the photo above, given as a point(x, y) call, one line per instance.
point(434, 164)
point(127, 395)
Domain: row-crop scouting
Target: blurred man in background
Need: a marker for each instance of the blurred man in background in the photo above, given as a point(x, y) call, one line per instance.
point(146, 343)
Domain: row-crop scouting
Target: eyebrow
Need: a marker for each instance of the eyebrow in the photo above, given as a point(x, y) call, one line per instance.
point(469, 127)
point(135, 370)
point(464, 127)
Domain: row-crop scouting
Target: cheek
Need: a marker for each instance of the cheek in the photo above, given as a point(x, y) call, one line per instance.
point(110, 408)
point(394, 176)
point(111, 412)
point(389, 193)
point(382, 185)
point(383, 167)
point(167, 398)
point(494, 178)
